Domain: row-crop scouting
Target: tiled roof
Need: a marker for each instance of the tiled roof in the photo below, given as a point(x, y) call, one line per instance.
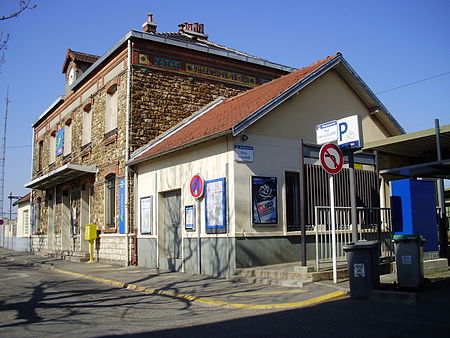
point(223, 117)
point(25, 198)
point(85, 57)
point(78, 56)
point(199, 41)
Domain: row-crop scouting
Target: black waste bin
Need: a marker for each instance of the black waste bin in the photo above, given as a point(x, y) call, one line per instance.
point(409, 260)
point(363, 263)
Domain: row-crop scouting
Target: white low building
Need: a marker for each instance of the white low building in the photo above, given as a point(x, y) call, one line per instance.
point(247, 150)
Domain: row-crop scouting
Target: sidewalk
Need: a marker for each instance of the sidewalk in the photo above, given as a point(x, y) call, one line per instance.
point(219, 291)
point(195, 288)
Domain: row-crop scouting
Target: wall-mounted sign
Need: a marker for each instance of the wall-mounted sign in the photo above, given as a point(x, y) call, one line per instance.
point(146, 214)
point(196, 186)
point(210, 71)
point(215, 200)
point(264, 200)
point(189, 218)
point(60, 142)
point(243, 153)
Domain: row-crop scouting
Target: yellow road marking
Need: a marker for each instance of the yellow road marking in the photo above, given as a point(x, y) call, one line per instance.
point(267, 293)
point(95, 266)
point(319, 299)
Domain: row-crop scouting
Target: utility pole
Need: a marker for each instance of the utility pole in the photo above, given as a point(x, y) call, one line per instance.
point(3, 154)
point(11, 197)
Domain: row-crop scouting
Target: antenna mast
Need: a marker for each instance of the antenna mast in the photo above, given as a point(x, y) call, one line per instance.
point(3, 155)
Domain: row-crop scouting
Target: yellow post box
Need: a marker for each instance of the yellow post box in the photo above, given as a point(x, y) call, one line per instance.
point(90, 232)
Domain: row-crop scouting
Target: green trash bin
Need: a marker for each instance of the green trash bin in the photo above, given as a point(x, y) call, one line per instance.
point(409, 260)
point(363, 263)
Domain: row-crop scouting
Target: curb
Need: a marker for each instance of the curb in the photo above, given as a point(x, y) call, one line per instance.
point(320, 299)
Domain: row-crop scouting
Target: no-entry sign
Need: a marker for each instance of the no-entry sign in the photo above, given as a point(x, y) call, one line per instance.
point(331, 158)
point(196, 186)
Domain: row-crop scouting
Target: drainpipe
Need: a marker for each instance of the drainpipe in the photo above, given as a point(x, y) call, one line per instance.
point(127, 152)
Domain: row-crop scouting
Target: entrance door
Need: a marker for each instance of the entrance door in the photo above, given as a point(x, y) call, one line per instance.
point(65, 223)
point(51, 223)
point(84, 218)
point(169, 234)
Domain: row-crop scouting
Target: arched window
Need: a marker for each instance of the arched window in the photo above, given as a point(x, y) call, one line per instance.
point(40, 155)
point(87, 120)
point(111, 109)
point(110, 201)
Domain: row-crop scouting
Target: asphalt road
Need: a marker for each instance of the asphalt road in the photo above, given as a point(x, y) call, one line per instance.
point(40, 303)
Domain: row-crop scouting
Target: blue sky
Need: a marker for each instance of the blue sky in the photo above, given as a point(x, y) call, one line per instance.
point(388, 43)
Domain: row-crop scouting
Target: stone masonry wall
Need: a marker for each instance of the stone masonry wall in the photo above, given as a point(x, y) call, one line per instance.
point(159, 100)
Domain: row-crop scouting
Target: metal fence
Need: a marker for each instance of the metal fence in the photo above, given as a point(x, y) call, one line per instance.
point(373, 224)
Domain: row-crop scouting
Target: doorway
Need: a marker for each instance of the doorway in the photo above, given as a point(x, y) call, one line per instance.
point(169, 232)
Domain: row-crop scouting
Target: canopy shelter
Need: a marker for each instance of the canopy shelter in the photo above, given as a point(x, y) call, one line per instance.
point(60, 175)
point(414, 154)
point(422, 154)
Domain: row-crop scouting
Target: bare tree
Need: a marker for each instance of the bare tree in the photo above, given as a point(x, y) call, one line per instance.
point(4, 37)
point(23, 5)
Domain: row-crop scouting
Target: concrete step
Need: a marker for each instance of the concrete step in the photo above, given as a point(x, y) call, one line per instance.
point(273, 274)
point(271, 281)
point(73, 256)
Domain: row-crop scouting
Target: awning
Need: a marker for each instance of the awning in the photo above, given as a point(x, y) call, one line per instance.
point(414, 154)
point(437, 169)
point(414, 145)
point(62, 174)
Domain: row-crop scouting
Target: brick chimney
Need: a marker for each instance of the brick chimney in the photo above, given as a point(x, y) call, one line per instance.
point(149, 26)
point(194, 30)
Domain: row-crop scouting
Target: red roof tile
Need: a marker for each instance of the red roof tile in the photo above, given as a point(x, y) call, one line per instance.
point(25, 198)
point(227, 114)
point(78, 56)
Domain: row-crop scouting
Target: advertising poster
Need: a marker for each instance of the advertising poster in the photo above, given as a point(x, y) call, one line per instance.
point(122, 206)
point(264, 200)
point(60, 142)
point(146, 215)
point(189, 217)
point(215, 200)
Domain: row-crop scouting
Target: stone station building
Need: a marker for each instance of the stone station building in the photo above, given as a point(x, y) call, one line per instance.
point(113, 105)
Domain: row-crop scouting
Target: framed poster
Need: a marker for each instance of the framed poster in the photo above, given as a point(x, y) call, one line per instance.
point(215, 209)
point(189, 223)
point(264, 200)
point(121, 206)
point(60, 142)
point(146, 214)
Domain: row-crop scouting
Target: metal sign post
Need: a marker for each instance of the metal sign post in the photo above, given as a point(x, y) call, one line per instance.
point(332, 161)
point(333, 227)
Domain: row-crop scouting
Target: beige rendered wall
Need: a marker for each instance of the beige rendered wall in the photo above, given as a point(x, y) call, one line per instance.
point(326, 99)
point(20, 219)
point(211, 160)
point(275, 139)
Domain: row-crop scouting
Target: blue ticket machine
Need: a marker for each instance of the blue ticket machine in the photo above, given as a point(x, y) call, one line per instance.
point(413, 204)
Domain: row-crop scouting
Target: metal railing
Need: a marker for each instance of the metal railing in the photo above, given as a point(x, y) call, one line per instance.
point(373, 224)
